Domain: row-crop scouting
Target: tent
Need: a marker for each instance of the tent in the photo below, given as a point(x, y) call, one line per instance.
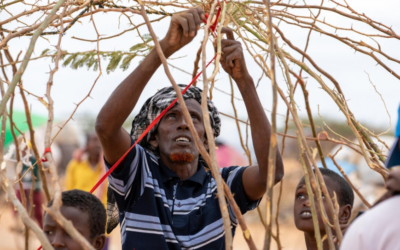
point(20, 122)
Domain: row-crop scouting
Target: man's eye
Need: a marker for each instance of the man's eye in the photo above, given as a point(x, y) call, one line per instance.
point(194, 118)
point(171, 116)
point(300, 197)
point(48, 232)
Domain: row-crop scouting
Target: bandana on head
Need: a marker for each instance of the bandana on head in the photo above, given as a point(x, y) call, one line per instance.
point(148, 113)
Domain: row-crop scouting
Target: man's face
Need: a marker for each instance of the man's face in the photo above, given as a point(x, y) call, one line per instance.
point(93, 145)
point(302, 207)
point(60, 240)
point(173, 138)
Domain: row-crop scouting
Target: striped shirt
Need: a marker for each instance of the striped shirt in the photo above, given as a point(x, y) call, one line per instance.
point(158, 210)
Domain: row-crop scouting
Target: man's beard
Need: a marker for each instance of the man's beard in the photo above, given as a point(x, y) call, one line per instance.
point(181, 157)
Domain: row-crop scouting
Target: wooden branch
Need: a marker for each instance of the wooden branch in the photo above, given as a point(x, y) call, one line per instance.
point(273, 140)
point(199, 144)
point(30, 126)
point(206, 119)
point(28, 54)
point(22, 211)
point(366, 203)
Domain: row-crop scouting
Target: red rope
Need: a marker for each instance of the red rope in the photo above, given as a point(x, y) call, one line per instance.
point(147, 130)
point(46, 150)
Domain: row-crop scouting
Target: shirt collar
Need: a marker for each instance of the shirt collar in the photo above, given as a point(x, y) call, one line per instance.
point(167, 174)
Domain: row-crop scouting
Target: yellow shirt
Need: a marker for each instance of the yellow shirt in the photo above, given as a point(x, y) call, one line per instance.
point(81, 175)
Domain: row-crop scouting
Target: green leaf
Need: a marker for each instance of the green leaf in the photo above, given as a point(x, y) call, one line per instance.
point(127, 61)
point(44, 52)
point(115, 59)
point(70, 59)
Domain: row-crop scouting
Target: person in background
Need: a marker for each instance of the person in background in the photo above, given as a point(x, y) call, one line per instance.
point(86, 213)
point(302, 208)
point(86, 168)
point(228, 156)
point(27, 181)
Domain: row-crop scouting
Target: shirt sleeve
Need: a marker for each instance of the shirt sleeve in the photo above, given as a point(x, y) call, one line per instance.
point(128, 184)
point(233, 178)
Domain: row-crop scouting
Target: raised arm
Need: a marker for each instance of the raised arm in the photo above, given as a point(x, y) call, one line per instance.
point(254, 177)
point(114, 139)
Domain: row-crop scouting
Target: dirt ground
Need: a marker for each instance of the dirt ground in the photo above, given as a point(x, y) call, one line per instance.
point(291, 239)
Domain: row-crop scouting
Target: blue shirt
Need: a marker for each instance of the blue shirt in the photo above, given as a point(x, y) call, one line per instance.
point(157, 210)
point(398, 123)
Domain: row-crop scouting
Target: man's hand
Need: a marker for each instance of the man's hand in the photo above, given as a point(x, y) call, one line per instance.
point(232, 58)
point(392, 185)
point(393, 181)
point(183, 29)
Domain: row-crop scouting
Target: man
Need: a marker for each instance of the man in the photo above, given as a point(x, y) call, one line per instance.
point(165, 198)
point(302, 208)
point(85, 212)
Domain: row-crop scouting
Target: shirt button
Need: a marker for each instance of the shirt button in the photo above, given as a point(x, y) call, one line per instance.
point(180, 183)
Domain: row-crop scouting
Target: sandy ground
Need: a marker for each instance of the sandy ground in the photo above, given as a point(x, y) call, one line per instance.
point(291, 238)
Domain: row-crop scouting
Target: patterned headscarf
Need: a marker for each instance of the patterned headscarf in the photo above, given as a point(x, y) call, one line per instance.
point(148, 113)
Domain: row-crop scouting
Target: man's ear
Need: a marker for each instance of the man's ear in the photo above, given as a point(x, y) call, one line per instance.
point(206, 144)
point(154, 141)
point(99, 242)
point(344, 214)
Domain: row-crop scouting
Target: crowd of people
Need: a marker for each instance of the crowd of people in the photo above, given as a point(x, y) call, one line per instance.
point(162, 193)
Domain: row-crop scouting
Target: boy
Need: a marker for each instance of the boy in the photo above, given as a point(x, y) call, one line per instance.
point(87, 214)
point(302, 209)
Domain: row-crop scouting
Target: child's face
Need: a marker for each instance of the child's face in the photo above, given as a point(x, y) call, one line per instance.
point(60, 240)
point(302, 208)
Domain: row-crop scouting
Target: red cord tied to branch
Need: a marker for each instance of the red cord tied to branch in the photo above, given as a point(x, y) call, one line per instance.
point(213, 26)
point(46, 150)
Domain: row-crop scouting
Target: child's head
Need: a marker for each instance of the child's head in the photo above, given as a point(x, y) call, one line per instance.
point(87, 214)
point(334, 183)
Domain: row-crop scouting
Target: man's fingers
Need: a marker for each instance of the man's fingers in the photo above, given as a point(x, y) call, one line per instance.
point(229, 59)
point(228, 49)
point(201, 13)
point(196, 17)
point(393, 181)
point(226, 42)
point(191, 24)
point(184, 24)
point(228, 32)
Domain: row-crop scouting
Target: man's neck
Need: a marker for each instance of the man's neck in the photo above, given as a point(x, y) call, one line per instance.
point(311, 242)
point(183, 170)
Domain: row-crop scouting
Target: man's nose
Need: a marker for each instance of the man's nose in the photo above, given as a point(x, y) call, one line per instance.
point(306, 203)
point(58, 241)
point(183, 124)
